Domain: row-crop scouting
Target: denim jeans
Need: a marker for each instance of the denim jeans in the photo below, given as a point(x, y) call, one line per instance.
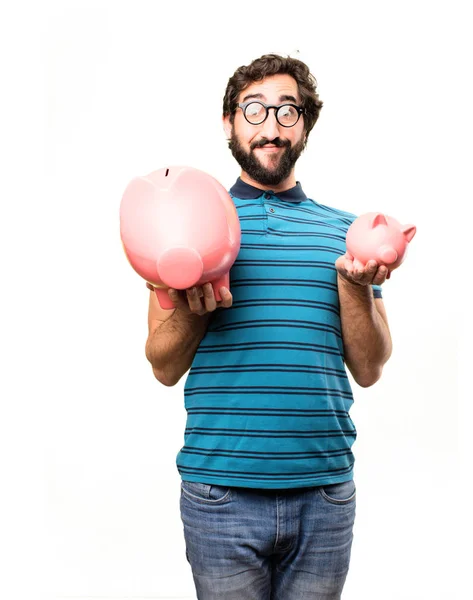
point(253, 544)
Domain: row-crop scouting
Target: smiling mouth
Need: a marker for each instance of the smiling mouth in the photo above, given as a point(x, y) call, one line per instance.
point(269, 148)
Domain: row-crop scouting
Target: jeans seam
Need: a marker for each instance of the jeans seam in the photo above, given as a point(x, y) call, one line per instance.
point(336, 500)
point(204, 500)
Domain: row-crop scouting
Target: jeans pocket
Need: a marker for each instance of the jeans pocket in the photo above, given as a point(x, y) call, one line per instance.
point(339, 493)
point(205, 493)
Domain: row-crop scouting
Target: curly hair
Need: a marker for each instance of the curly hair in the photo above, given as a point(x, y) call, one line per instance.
point(273, 64)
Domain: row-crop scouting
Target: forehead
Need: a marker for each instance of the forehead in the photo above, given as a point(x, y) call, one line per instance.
point(272, 89)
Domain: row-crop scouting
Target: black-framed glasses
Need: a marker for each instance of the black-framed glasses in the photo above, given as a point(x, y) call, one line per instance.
point(256, 113)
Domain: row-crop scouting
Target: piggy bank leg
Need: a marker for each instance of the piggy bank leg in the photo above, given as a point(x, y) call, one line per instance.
point(223, 281)
point(163, 298)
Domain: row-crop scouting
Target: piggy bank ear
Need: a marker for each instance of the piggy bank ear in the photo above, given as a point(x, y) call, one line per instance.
point(378, 219)
point(409, 232)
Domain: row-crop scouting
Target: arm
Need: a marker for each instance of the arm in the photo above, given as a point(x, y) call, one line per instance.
point(366, 337)
point(174, 335)
point(173, 339)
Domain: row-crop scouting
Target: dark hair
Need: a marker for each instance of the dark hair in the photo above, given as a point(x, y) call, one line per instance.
point(273, 64)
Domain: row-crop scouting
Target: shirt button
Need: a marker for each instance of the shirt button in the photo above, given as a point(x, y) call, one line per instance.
point(267, 196)
point(271, 210)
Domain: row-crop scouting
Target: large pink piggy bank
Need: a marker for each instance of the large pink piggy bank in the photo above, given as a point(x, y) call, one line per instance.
point(374, 236)
point(179, 228)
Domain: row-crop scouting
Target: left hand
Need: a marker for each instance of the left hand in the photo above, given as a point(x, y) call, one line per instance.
point(370, 274)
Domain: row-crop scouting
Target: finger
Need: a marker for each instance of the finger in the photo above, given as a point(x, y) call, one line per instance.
point(227, 298)
point(348, 267)
point(370, 272)
point(340, 265)
point(193, 298)
point(357, 274)
point(380, 276)
point(209, 297)
point(177, 299)
point(349, 263)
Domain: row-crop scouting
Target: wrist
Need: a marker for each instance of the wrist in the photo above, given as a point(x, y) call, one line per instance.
point(353, 286)
point(192, 319)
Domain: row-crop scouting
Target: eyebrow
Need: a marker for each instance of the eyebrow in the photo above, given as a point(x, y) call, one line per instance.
point(284, 97)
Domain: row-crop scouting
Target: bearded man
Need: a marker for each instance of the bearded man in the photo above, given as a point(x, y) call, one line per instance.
point(268, 492)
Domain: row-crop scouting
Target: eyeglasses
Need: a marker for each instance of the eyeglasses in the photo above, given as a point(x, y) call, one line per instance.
point(256, 113)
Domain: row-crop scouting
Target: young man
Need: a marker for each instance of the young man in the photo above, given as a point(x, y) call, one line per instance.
point(267, 493)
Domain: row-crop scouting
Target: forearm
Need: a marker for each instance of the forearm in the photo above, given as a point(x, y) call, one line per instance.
point(172, 347)
point(366, 338)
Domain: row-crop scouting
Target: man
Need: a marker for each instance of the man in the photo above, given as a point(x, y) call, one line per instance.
point(267, 493)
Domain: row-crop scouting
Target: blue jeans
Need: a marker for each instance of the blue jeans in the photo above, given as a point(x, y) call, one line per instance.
point(253, 544)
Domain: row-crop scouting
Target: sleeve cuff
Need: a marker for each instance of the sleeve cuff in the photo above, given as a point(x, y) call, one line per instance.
point(377, 291)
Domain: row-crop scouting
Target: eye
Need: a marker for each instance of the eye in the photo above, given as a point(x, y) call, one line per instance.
point(288, 115)
point(287, 111)
point(254, 109)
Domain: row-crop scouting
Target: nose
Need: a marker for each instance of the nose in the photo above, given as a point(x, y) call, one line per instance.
point(270, 127)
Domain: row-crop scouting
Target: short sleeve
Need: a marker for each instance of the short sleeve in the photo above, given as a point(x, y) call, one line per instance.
point(377, 291)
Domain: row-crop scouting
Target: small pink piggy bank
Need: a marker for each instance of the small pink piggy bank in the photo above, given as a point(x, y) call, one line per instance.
point(179, 228)
point(374, 236)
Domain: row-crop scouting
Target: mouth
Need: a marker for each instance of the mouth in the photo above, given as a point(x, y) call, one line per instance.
point(269, 149)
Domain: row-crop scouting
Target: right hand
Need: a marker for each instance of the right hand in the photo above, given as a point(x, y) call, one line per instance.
point(200, 300)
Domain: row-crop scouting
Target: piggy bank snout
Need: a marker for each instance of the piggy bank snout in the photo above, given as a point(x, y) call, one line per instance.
point(388, 255)
point(180, 268)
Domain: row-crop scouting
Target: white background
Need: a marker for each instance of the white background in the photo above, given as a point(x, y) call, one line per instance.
point(95, 93)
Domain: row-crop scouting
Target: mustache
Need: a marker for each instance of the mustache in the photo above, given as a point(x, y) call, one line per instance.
point(278, 142)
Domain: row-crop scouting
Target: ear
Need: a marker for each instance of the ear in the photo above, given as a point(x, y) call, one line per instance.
point(409, 231)
point(227, 126)
point(378, 219)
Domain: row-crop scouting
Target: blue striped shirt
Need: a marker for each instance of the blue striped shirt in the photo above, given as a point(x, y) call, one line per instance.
point(267, 396)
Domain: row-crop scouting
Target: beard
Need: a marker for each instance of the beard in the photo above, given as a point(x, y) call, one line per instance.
point(272, 175)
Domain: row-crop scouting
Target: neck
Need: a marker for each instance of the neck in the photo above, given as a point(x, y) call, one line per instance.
point(282, 186)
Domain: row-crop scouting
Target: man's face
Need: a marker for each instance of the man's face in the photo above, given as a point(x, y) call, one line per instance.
point(269, 151)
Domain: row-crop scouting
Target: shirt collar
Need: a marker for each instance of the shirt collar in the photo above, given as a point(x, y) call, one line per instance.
point(245, 191)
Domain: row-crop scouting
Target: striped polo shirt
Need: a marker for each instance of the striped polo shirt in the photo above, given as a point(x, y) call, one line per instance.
point(267, 396)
